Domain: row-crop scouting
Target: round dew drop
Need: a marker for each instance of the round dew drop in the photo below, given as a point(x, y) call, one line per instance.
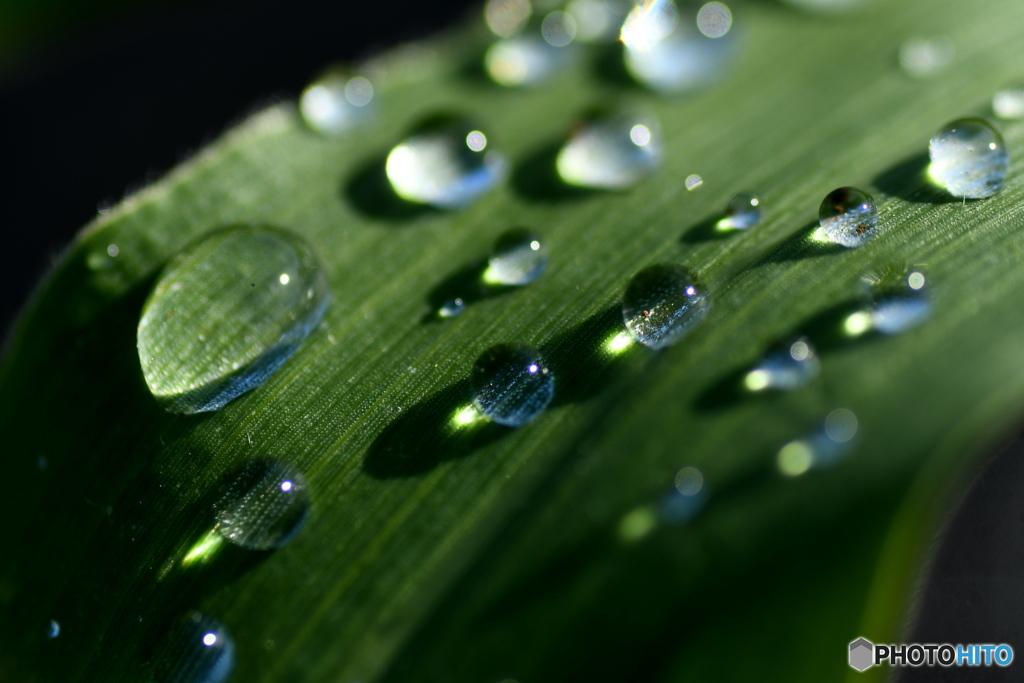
point(744, 211)
point(519, 257)
point(663, 304)
point(512, 385)
point(848, 217)
point(969, 159)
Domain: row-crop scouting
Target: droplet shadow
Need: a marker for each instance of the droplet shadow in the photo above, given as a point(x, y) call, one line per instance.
point(370, 192)
point(708, 230)
point(909, 181)
point(467, 283)
point(610, 68)
point(799, 246)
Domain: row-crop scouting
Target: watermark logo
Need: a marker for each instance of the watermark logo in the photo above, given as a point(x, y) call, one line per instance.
point(864, 654)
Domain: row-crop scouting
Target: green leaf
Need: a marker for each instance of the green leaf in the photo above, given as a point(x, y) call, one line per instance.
point(438, 552)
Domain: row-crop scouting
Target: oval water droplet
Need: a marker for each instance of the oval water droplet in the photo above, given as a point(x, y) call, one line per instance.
point(524, 60)
point(226, 313)
point(969, 158)
point(848, 217)
point(663, 304)
point(519, 257)
point(611, 151)
point(1009, 103)
point(824, 447)
point(899, 303)
point(791, 367)
point(512, 385)
point(446, 163)
point(673, 48)
point(451, 308)
point(198, 649)
point(264, 505)
point(335, 103)
point(743, 212)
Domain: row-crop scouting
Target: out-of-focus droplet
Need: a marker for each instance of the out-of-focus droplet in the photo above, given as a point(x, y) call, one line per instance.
point(198, 649)
point(672, 48)
point(335, 103)
point(824, 447)
point(507, 17)
point(1009, 103)
point(693, 182)
point(598, 20)
point(524, 60)
point(446, 163)
point(558, 29)
point(263, 506)
point(848, 217)
point(686, 498)
point(791, 367)
point(899, 302)
point(451, 308)
point(53, 630)
point(663, 304)
point(926, 57)
point(611, 152)
point(512, 384)
point(519, 257)
point(969, 158)
point(226, 314)
point(744, 211)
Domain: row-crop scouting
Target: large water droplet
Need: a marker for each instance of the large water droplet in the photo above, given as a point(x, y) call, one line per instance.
point(969, 158)
point(662, 304)
point(524, 60)
point(848, 216)
point(446, 163)
point(519, 257)
point(824, 447)
point(674, 48)
point(511, 384)
point(226, 313)
point(1009, 103)
point(743, 212)
point(785, 369)
point(198, 649)
point(335, 103)
point(611, 151)
point(264, 505)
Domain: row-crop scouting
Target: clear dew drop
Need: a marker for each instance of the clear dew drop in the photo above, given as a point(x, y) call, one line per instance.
point(198, 649)
point(524, 60)
point(335, 103)
point(264, 505)
point(226, 314)
point(451, 308)
point(512, 385)
point(969, 158)
point(1009, 103)
point(925, 57)
point(519, 257)
point(446, 163)
point(791, 367)
point(678, 48)
point(744, 211)
point(848, 217)
point(663, 304)
point(899, 302)
point(824, 447)
point(611, 152)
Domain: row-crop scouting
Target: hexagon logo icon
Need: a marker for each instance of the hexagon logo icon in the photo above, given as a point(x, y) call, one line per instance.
point(862, 653)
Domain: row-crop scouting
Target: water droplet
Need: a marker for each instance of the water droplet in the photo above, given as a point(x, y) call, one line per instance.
point(445, 163)
point(685, 499)
point(198, 649)
point(969, 158)
point(693, 182)
point(507, 17)
point(674, 48)
point(511, 384)
point(788, 368)
point(112, 250)
point(226, 313)
point(925, 57)
point(899, 302)
point(558, 29)
point(597, 20)
point(743, 212)
point(335, 103)
point(824, 447)
point(524, 60)
point(610, 152)
point(848, 216)
point(519, 258)
point(662, 304)
point(1009, 103)
point(451, 308)
point(53, 630)
point(264, 505)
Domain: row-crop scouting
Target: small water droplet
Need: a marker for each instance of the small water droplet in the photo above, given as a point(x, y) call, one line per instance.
point(264, 505)
point(849, 217)
point(597, 20)
point(227, 313)
point(198, 649)
point(112, 250)
point(925, 57)
point(785, 369)
point(519, 257)
point(611, 151)
point(899, 302)
point(743, 212)
point(335, 102)
point(512, 385)
point(558, 28)
point(452, 308)
point(824, 447)
point(53, 630)
point(1009, 103)
point(446, 163)
point(693, 182)
point(507, 17)
point(686, 498)
point(524, 60)
point(663, 304)
point(673, 48)
point(969, 158)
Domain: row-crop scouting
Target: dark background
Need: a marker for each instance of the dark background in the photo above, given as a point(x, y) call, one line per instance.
point(91, 109)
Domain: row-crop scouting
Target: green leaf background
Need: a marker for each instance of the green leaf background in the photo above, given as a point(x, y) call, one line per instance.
point(487, 553)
